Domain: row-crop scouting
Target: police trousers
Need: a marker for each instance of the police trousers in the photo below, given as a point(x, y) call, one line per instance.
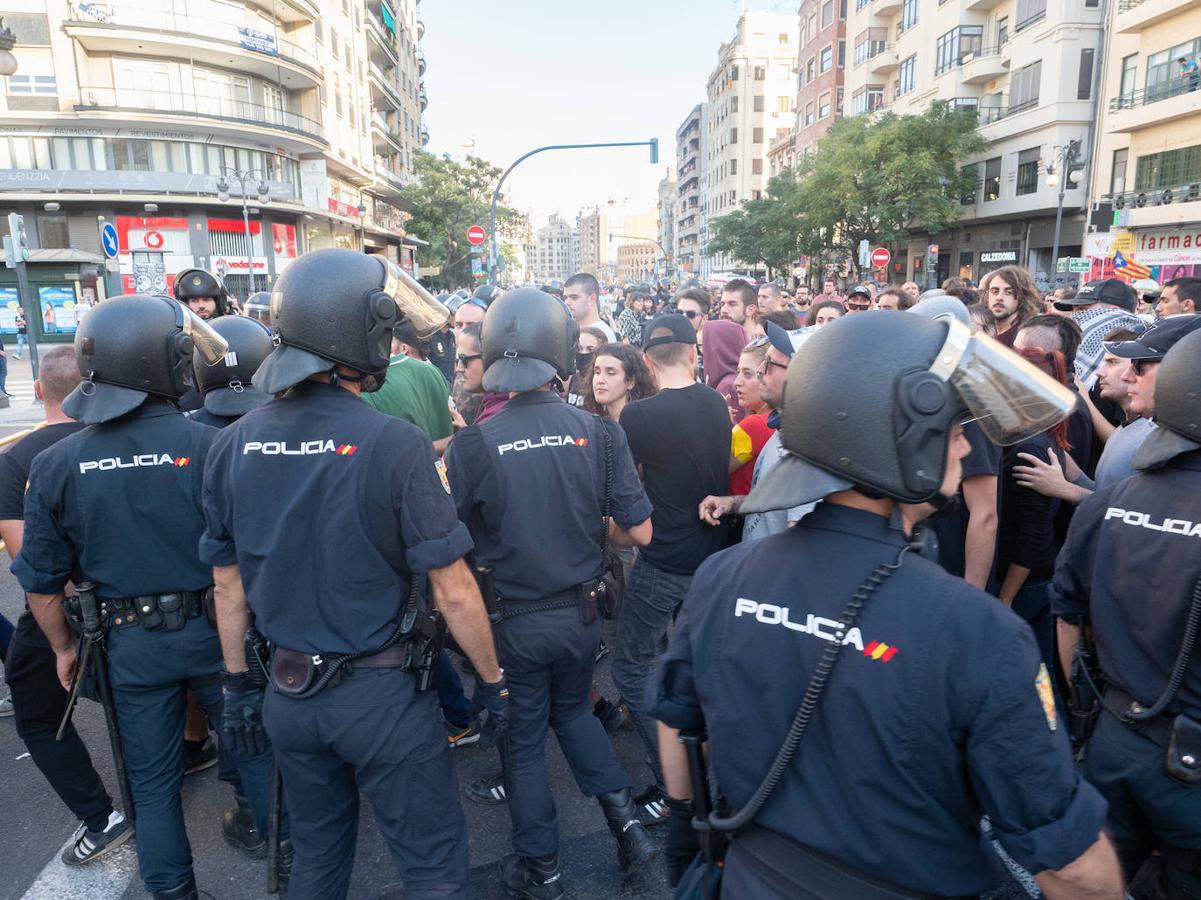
point(372, 732)
point(651, 601)
point(548, 658)
point(39, 702)
point(1148, 810)
point(150, 673)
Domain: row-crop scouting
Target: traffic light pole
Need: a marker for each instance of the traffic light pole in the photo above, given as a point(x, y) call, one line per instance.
point(653, 143)
point(32, 315)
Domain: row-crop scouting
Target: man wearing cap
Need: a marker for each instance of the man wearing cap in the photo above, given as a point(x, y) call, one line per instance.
point(681, 440)
point(1130, 570)
point(859, 300)
point(534, 484)
point(1098, 308)
point(781, 347)
point(831, 655)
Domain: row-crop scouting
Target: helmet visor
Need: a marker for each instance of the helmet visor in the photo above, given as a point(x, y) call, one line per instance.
point(207, 345)
point(1010, 398)
point(416, 304)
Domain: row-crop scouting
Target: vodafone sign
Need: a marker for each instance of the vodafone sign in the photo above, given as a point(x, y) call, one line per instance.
point(154, 240)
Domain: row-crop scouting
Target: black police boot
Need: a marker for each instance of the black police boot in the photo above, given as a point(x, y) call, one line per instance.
point(634, 845)
point(185, 891)
point(240, 831)
point(532, 877)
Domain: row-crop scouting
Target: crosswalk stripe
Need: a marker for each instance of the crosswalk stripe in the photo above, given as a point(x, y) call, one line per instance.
point(106, 878)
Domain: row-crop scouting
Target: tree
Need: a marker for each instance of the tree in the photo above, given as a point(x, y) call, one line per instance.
point(872, 178)
point(878, 178)
point(447, 198)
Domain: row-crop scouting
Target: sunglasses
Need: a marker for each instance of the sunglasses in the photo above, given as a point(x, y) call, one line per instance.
point(465, 361)
point(1140, 366)
point(689, 313)
point(859, 307)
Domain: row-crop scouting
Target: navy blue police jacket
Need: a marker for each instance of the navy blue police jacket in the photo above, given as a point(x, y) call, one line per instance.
point(119, 504)
point(1130, 565)
point(328, 507)
point(530, 483)
point(937, 711)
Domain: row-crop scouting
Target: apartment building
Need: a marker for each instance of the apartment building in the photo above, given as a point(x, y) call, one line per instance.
point(601, 229)
point(821, 66)
point(158, 117)
point(667, 219)
point(1147, 168)
point(750, 97)
point(1028, 70)
point(555, 252)
point(636, 261)
point(690, 179)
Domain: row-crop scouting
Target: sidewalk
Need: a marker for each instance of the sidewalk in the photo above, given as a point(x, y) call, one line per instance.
point(23, 411)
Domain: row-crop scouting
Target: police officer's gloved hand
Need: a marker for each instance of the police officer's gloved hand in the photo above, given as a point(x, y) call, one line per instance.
point(682, 843)
point(242, 720)
point(495, 699)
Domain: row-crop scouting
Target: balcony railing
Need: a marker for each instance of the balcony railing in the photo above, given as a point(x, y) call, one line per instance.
point(1127, 5)
point(1163, 196)
point(175, 103)
point(986, 115)
point(136, 18)
point(389, 85)
point(1155, 93)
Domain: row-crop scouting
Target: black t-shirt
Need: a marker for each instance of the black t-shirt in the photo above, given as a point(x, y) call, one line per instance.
point(681, 438)
point(1026, 519)
point(950, 523)
point(14, 474)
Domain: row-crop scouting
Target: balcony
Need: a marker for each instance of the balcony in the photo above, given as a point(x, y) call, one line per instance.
point(1135, 15)
point(383, 86)
point(1159, 207)
point(304, 133)
point(982, 5)
point(986, 64)
point(884, 61)
point(1166, 102)
point(392, 179)
point(381, 37)
point(886, 7)
point(157, 32)
point(425, 135)
point(423, 99)
point(289, 10)
point(420, 62)
point(386, 140)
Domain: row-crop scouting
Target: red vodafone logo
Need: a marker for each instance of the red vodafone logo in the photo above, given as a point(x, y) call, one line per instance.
point(279, 246)
point(154, 240)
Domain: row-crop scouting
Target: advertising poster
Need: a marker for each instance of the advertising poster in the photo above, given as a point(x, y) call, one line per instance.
point(9, 304)
point(60, 310)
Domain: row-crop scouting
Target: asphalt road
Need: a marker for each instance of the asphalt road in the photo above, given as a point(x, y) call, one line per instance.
point(36, 825)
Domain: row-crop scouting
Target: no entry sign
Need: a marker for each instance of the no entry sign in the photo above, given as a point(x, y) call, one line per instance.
point(880, 257)
point(476, 235)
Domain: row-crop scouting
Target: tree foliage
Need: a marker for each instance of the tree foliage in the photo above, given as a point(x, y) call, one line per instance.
point(447, 198)
point(873, 178)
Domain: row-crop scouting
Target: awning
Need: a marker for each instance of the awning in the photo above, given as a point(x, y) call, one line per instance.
point(64, 255)
point(414, 241)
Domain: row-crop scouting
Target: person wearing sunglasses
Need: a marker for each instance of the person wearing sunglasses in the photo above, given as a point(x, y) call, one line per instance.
point(859, 300)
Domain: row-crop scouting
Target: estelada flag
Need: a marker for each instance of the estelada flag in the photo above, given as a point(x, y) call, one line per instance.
point(1128, 268)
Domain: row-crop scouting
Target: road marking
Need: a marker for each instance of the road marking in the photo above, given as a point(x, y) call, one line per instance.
point(21, 757)
point(105, 879)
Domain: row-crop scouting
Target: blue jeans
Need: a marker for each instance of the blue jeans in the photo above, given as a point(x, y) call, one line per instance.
point(3, 374)
point(150, 672)
point(22, 342)
point(651, 599)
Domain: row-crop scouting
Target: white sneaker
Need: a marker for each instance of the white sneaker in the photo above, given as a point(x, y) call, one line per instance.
point(6, 707)
point(89, 845)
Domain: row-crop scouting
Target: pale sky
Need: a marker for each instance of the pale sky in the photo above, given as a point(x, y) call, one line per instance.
point(513, 75)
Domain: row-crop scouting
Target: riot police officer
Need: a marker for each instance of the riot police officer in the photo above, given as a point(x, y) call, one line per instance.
point(917, 702)
point(202, 293)
point(258, 307)
point(1134, 542)
point(118, 505)
point(532, 483)
point(226, 387)
point(351, 634)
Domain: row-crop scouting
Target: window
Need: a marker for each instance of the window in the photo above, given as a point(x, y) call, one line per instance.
point(52, 231)
point(842, 54)
point(757, 103)
point(811, 69)
point(1084, 82)
point(1029, 12)
point(992, 179)
point(32, 84)
point(756, 167)
point(957, 46)
point(734, 73)
point(1028, 166)
point(808, 113)
point(1169, 169)
point(734, 104)
point(733, 135)
point(823, 106)
point(869, 43)
point(827, 13)
point(756, 135)
point(783, 104)
point(760, 73)
point(909, 14)
point(733, 167)
point(842, 9)
point(827, 59)
point(1003, 31)
point(838, 103)
point(782, 38)
point(1023, 87)
point(907, 78)
point(867, 99)
point(1129, 77)
point(1163, 70)
point(1117, 180)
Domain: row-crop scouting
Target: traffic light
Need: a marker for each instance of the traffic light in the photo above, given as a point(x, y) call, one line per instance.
point(654, 142)
point(16, 230)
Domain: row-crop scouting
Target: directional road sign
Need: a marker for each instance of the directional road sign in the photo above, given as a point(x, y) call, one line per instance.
point(108, 240)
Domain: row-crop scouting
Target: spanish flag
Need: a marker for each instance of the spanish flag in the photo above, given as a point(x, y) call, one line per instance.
point(1128, 268)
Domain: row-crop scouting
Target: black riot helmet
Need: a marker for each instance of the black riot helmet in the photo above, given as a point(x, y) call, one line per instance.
point(1177, 404)
point(258, 307)
point(133, 347)
point(193, 284)
point(870, 403)
point(527, 338)
point(487, 293)
point(226, 386)
point(338, 307)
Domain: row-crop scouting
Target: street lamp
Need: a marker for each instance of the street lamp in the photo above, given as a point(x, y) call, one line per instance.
point(243, 178)
point(362, 225)
point(1069, 167)
point(8, 40)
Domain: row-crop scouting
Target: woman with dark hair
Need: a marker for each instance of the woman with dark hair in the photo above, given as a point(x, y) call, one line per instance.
point(1026, 544)
point(632, 318)
point(825, 312)
point(618, 375)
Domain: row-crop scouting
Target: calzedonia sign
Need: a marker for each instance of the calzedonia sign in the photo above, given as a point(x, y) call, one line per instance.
point(995, 256)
